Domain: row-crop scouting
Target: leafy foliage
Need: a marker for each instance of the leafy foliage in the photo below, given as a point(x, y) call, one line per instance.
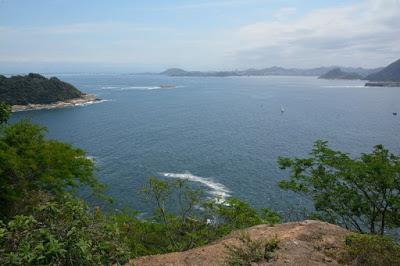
point(43, 223)
point(194, 220)
point(362, 194)
point(5, 111)
point(62, 233)
point(250, 251)
point(236, 214)
point(35, 89)
point(29, 163)
point(371, 250)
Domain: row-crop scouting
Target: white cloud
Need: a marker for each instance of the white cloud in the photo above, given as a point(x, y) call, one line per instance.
point(285, 13)
point(364, 34)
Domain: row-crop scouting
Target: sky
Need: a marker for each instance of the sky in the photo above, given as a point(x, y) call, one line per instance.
point(152, 35)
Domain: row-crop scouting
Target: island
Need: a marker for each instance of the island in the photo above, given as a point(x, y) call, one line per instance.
point(34, 91)
point(337, 73)
point(387, 77)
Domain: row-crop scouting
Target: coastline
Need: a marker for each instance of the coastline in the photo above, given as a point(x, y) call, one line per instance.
point(85, 99)
point(382, 84)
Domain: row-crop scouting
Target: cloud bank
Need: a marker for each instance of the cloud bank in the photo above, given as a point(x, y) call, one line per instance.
point(365, 33)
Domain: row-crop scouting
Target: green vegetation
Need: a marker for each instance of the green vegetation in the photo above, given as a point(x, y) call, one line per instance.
point(35, 89)
point(371, 250)
point(42, 222)
point(31, 164)
point(62, 232)
point(361, 194)
point(250, 251)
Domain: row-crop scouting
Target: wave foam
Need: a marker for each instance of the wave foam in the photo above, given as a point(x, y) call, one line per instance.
point(217, 190)
point(141, 88)
point(91, 102)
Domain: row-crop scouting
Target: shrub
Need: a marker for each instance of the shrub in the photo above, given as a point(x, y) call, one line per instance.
point(371, 250)
point(62, 233)
point(249, 251)
point(361, 194)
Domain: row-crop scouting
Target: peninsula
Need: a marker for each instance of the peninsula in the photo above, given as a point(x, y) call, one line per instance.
point(34, 91)
point(387, 77)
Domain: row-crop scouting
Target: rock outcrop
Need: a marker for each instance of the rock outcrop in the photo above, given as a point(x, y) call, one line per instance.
point(300, 243)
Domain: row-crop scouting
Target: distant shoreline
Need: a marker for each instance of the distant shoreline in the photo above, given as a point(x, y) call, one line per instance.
point(382, 84)
point(83, 100)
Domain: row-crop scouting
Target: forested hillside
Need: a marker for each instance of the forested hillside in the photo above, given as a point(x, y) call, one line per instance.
point(35, 89)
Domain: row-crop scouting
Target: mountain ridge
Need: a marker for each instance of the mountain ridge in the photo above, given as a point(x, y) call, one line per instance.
point(337, 73)
point(390, 73)
point(269, 71)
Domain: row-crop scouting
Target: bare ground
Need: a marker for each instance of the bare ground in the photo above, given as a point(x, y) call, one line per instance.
point(300, 243)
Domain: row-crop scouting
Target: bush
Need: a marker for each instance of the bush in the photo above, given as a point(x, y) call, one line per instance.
point(361, 194)
point(62, 233)
point(371, 250)
point(250, 251)
point(236, 214)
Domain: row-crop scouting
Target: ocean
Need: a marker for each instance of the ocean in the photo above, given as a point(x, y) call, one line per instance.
point(222, 134)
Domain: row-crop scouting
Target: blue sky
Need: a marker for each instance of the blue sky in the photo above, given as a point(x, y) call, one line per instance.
point(128, 36)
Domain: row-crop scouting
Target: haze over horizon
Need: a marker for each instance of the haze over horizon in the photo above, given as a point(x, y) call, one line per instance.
point(127, 36)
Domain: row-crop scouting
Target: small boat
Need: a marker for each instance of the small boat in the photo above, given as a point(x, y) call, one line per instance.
point(394, 113)
point(282, 109)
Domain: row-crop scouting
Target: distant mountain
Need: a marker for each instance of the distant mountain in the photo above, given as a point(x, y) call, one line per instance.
point(389, 73)
point(174, 72)
point(35, 89)
point(271, 71)
point(337, 73)
point(177, 72)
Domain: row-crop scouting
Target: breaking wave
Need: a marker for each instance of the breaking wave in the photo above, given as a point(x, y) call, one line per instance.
point(141, 88)
point(91, 102)
point(217, 190)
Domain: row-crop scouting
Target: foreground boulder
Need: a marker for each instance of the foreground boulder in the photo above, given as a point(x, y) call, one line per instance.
point(300, 243)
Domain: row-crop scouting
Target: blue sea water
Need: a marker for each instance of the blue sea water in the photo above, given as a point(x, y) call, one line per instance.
point(222, 134)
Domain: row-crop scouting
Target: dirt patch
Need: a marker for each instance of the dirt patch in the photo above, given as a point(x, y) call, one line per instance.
point(300, 243)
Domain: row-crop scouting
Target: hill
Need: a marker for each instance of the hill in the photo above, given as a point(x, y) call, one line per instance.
point(337, 73)
point(389, 73)
point(300, 243)
point(177, 72)
point(35, 89)
point(269, 71)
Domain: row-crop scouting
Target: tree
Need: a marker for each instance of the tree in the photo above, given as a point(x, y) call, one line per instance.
point(361, 194)
point(30, 164)
point(5, 111)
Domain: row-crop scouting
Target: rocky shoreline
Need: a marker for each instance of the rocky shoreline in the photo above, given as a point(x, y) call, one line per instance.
point(382, 84)
point(85, 99)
